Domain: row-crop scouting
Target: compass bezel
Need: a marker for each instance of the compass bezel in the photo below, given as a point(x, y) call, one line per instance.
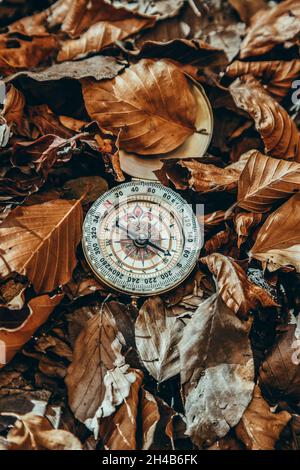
point(177, 204)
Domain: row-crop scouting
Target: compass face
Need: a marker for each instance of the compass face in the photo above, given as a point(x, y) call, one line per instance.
point(141, 238)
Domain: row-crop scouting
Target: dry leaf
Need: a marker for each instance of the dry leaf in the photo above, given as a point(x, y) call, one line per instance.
point(277, 75)
point(280, 372)
point(259, 428)
point(13, 110)
point(14, 337)
point(202, 177)
point(218, 241)
point(266, 180)
point(278, 240)
point(141, 102)
point(278, 131)
point(89, 188)
point(32, 432)
point(18, 52)
point(150, 418)
point(216, 371)
point(244, 223)
point(278, 25)
point(97, 25)
point(98, 380)
point(238, 293)
point(40, 242)
point(158, 333)
point(119, 431)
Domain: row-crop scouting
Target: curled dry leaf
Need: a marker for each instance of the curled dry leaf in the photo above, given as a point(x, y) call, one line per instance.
point(277, 25)
point(280, 372)
point(40, 242)
point(217, 241)
point(202, 177)
point(32, 432)
point(98, 380)
point(239, 294)
point(277, 129)
point(277, 75)
point(212, 220)
point(158, 333)
point(97, 24)
point(216, 371)
point(15, 337)
point(13, 110)
point(244, 222)
point(151, 103)
point(266, 180)
point(44, 121)
point(119, 431)
point(259, 428)
point(278, 240)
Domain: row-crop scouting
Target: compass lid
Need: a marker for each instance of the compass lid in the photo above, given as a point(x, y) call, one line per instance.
point(195, 146)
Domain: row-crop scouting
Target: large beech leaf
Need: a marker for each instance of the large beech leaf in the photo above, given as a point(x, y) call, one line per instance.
point(158, 333)
point(277, 75)
point(266, 180)
point(238, 293)
point(98, 380)
point(259, 428)
point(217, 371)
point(277, 25)
point(151, 103)
point(14, 336)
point(40, 242)
point(278, 240)
point(277, 129)
point(33, 432)
point(280, 372)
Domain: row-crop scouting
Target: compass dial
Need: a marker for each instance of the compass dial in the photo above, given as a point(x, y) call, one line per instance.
point(141, 238)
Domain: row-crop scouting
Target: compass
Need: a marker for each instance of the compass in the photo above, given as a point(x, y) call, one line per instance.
point(141, 238)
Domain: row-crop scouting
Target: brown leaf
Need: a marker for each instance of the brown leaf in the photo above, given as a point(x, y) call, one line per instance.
point(46, 122)
point(218, 241)
point(216, 371)
point(277, 75)
point(144, 98)
point(266, 180)
point(203, 177)
point(98, 67)
point(244, 223)
point(99, 25)
point(98, 380)
point(239, 294)
point(278, 25)
point(150, 418)
point(278, 131)
point(278, 240)
point(14, 338)
point(280, 372)
point(248, 8)
point(13, 110)
point(40, 242)
point(259, 428)
point(32, 432)
point(17, 52)
point(119, 431)
point(158, 333)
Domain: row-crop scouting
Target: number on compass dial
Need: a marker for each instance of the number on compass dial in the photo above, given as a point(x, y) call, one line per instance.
point(141, 238)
